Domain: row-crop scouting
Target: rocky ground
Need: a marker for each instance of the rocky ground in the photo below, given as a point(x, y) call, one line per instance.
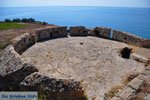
point(95, 62)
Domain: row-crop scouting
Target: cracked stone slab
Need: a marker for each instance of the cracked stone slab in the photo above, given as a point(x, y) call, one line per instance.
point(146, 78)
point(138, 58)
point(136, 83)
point(126, 93)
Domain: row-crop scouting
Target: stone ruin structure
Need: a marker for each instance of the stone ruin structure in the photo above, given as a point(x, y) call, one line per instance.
point(18, 75)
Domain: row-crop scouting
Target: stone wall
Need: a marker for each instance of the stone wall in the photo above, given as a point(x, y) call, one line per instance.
point(127, 38)
point(52, 32)
point(146, 43)
point(78, 31)
point(13, 69)
point(21, 43)
point(102, 32)
point(98, 31)
point(58, 89)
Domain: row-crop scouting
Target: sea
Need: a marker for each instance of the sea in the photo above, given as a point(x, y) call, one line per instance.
point(133, 20)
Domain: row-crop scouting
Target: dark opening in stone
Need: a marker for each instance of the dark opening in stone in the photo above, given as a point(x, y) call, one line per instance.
point(125, 38)
point(125, 52)
point(96, 32)
point(81, 43)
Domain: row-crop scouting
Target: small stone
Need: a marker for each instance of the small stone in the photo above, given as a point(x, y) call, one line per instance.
point(147, 97)
point(115, 98)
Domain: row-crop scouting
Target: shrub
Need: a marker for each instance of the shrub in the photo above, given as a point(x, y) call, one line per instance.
point(16, 20)
point(44, 23)
point(25, 20)
point(31, 20)
point(7, 20)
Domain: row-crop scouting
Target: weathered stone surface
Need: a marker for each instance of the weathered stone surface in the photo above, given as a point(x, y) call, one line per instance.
point(78, 31)
point(91, 32)
point(93, 61)
point(127, 38)
point(42, 34)
point(147, 97)
point(13, 68)
point(139, 58)
point(146, 43)
point(136, 83)
point(126, 93)
point(115, 98)
point(146, 78)
point(102, 32)
point(60, 31)
point(52, 32)
point(59, 89)
point(21, 43)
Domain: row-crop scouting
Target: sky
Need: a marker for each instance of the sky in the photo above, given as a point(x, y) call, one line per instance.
point(114, 3)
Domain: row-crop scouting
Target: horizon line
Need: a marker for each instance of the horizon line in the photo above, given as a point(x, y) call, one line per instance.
point(75, 6)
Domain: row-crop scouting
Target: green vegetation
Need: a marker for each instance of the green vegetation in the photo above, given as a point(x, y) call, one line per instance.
point(44, 23)
point(4, 26)
point(16, 20)
point(7, 20)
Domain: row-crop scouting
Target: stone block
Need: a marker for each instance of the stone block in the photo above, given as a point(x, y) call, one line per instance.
point(102, 32)
point(138, 58)
point(22, 42)
point(146, 43)
point(78, 31)
point(50, 32)
point(58, 32)
point(127, 38)
point(42, 34)
point(126, 93)
point(59, 89)
point(13, 69)
point(146, 78)
point(136, 83)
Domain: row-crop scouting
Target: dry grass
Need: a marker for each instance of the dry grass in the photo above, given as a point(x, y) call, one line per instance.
point(114, 90)
point(35, 61)
point(129, 78)
point(148, 62)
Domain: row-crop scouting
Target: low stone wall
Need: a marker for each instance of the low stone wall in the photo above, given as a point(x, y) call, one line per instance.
point(13, 69)
point(127, 38)
point(102, 32)
point(134, 86)
point(78, 31)
point(98, 31)
point(57, 89)
point(146, 43)
point(21, 43)
point(52, 32)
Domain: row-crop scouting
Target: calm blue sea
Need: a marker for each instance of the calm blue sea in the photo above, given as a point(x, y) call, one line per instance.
point(134, 20)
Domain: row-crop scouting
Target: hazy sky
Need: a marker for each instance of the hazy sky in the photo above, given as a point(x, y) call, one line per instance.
point(118, 3)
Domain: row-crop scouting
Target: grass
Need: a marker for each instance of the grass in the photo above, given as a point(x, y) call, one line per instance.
point(114, 90)
point(4, 25)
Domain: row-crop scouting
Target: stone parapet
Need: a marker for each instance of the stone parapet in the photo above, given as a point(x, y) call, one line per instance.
point(127, 38)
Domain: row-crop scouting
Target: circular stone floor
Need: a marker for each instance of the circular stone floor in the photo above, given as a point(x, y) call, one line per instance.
point(93, 61)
